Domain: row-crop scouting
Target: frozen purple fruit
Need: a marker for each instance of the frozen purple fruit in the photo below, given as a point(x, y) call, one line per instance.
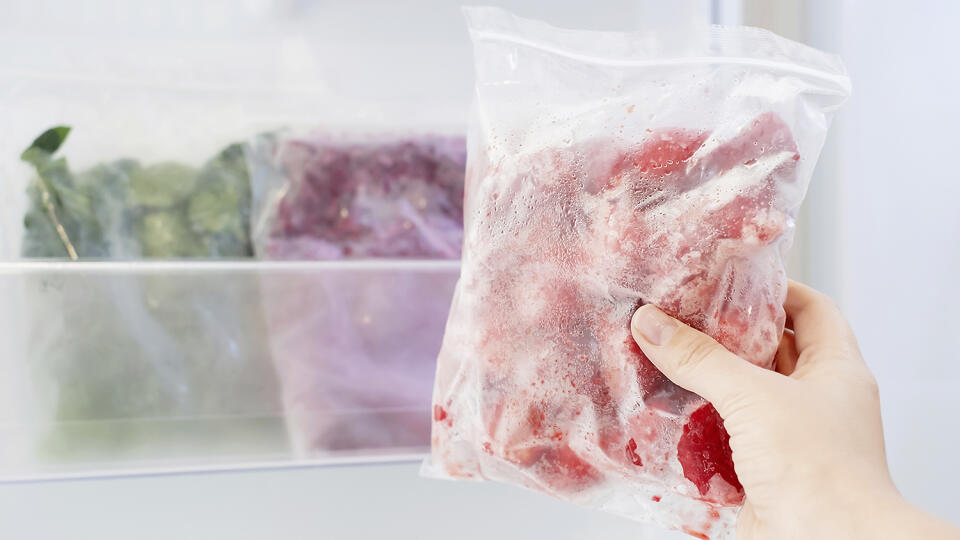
point(369, 199)
point(355, 348)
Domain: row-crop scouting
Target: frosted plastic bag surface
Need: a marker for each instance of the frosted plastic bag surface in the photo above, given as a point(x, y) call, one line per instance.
point(159, 348)
point(605, 171)
point(356, 356)
point(150, 169)
point(122, 208)
point(141, 367)
point(324, 196)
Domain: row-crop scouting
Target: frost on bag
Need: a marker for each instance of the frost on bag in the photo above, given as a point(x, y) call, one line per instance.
point(355, 345)
point(606, 171)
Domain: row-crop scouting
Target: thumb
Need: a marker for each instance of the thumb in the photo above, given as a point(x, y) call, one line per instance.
point(693, 359)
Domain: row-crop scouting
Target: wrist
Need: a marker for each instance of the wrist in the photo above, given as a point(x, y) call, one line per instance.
point(895, 518)
point(861, 506)
point(879, 515)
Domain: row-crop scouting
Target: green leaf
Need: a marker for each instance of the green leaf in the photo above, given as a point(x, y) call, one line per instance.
point(45, 145)
point(54, 185)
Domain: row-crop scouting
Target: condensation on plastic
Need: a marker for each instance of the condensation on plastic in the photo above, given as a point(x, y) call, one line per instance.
point(607, 170)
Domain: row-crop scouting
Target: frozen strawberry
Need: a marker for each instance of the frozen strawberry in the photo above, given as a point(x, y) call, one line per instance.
point(704, 450)
point(666, 151)
point(663, 154)
point(766, 135)
point(656, 390)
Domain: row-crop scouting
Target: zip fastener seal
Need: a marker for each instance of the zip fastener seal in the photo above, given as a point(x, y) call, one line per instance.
point(841, 81)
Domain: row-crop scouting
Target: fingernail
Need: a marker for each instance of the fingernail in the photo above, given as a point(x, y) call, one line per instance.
point(653, 325)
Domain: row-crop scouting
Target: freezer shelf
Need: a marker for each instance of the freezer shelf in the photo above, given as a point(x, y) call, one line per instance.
point(119, 368)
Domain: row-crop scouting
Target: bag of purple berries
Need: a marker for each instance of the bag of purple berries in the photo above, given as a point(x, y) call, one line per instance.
point(355, 338)
point(324, 196)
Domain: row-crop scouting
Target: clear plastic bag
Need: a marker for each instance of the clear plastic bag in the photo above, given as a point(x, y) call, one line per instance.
point(608, 170)
point(130, 362)
point(355, 355)
point(122, 209)
point(329, 196)
point(354, 350)
point(141, 366)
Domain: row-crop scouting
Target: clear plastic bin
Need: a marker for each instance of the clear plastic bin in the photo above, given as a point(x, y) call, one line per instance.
point(113, 368)
point(128, 367)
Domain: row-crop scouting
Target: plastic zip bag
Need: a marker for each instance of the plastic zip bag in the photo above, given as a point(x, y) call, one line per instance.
point(122, 208)
point(325, 196)
point(130, 362)
point(355, 348)
point(608, 170)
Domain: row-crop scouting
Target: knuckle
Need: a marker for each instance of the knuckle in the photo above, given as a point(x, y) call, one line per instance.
point(870, 385)
point(816, 297)
point(755, 395)
point(859, 383)
point(826, 301)
point(697, 352)
point(734, 406)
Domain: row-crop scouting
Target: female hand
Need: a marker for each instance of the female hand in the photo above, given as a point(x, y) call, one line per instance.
point(807, 439)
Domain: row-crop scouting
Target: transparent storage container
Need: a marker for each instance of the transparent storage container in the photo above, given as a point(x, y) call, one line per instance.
point(137, 367)
point(133, 366)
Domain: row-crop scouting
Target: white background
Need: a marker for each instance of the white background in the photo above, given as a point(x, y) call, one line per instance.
point(899, 231)
point(881, 233)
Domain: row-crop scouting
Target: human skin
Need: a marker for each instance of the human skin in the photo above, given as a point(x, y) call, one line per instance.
point(807, 438)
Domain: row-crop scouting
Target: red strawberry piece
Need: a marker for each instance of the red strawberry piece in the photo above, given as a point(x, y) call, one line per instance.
point(562, 469)
point(767, 134)
point(656, 389)
point(704, 450)
point(663, 153)
point(632, 453)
